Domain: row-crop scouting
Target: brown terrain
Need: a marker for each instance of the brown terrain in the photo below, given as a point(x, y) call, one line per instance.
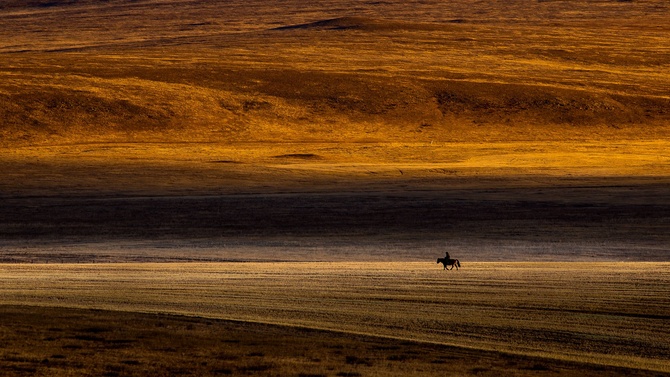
point(172, 146)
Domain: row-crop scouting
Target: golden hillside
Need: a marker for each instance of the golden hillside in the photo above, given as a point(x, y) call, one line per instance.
point(87, 71)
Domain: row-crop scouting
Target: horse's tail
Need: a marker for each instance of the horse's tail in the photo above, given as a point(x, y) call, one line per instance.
point(458, 263)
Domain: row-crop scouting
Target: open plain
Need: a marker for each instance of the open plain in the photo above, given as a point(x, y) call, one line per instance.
point(214, 187)
point(564, 318)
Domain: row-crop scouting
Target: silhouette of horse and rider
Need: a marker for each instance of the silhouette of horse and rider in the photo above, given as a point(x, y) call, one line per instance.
point(447, 261)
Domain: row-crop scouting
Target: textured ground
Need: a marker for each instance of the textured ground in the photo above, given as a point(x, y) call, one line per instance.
point(60, 341)
point(612, 314)
point(342, 132)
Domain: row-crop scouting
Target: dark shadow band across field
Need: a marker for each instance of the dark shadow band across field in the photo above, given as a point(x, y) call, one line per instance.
point(61, 341)
point(615, 220)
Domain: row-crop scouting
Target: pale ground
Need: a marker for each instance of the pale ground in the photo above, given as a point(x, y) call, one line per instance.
point(605, 313)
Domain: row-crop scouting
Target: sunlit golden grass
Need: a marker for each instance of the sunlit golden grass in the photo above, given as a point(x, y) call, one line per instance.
point(261, 167)
point(605, 313)
point(574, 70)
point(551, 88)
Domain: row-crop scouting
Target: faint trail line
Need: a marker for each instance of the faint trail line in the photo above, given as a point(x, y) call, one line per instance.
point(585, 312)
point(595, 312)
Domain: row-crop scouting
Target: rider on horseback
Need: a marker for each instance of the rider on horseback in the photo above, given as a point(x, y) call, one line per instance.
point(447, 261)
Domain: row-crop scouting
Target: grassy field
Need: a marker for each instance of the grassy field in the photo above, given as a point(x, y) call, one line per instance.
point(337, 148)
point(60, 342)
point(610, 314)
point(351, 72)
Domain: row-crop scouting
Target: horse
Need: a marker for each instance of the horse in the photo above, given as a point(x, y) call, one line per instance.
point(449, 262)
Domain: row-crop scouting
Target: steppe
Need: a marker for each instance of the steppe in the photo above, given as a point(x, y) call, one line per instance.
point(254, 187)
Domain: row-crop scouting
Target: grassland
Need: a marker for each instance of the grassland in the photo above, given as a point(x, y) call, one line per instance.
point(608, 314)
point(337, 147)
point(351, 73)
point(63, 341)
point(559, 107)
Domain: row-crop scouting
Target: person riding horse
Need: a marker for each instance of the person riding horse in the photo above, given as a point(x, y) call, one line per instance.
point(447, 261)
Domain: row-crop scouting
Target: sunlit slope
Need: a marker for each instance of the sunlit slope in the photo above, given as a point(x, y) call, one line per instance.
point(232, 76)
point(292, 105)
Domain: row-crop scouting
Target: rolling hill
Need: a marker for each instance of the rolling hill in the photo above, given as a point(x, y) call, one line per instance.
point(86, 71)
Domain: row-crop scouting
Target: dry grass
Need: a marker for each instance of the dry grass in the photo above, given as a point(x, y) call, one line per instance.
point(342, 131)
point(60, 342)
point(604, 313)
point(185, 168)
point(132, 100)
point(128, 71)
point(482, 219)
